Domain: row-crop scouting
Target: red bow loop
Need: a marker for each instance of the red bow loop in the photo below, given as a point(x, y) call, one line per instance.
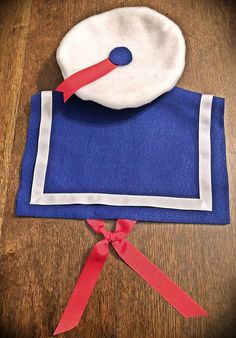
point(124, 227)
point(97, 225)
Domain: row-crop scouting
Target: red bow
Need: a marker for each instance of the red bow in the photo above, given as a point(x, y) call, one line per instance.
point(136, 260)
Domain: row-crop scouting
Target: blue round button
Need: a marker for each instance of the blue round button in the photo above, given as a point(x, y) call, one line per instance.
point(120, 56)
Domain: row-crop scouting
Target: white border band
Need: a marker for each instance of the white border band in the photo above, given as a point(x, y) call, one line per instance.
point(205, 186)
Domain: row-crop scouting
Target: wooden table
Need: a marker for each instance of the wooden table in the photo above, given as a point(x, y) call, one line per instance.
point(41, 258)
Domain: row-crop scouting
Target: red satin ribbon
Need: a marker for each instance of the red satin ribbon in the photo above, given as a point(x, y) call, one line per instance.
point(180, 300)
point(83, 77)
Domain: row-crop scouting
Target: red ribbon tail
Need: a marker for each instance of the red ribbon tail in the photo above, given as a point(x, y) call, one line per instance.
point(83, 77)
point(84, 288)
point(179, 299)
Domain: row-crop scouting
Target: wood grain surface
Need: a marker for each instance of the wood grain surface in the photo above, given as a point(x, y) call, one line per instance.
point(41, 258)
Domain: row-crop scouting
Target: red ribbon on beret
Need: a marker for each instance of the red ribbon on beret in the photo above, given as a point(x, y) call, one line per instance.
point(85, 76)
point(180, 300)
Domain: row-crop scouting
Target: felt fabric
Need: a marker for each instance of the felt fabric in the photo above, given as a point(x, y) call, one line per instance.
point(204, 202)
point(151, 150)
point(157, 46)
point(120, 56)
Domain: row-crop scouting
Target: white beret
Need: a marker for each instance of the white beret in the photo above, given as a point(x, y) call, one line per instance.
point(158, 55)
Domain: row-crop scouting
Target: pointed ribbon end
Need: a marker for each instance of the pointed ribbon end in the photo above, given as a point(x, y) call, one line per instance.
point(200, 312)
point(66, 96)
point(56, 332)
point(61, 328)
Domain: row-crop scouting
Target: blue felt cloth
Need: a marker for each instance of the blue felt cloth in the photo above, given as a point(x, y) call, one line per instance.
point(151, 150)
